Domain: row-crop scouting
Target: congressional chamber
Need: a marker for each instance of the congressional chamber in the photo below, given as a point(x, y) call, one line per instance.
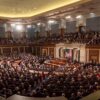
point(50, 50)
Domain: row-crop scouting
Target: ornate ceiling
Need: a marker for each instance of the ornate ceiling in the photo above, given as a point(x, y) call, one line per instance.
point(29, 8)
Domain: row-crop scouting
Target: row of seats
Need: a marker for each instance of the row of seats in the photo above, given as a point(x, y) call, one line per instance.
point(77, 37)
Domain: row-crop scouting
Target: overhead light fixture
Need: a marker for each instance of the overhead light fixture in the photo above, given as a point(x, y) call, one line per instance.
point(13, 24)
point(92, 14)
point(79, 16)
point(68, 17)
point(38, 24)
point(51, 22)
point(28, 26)
point(19, 27)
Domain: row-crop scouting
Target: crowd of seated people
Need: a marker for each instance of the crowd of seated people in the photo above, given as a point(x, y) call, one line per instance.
point(5, 41)
point(75, 84)
point(24, 74)
point(82, 37)
point(77, 37)
point(94, 41)
point(15, 77)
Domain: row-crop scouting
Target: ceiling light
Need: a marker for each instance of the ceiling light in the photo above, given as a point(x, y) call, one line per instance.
point(13, 24)
point(51, 21)
point(19, 27)
point(68, 17)
point(28, 26)
point(92, 15)
point(38, 24)
point(79, 17)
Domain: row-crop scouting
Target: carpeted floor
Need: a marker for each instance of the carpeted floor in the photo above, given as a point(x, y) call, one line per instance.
point(93, 96)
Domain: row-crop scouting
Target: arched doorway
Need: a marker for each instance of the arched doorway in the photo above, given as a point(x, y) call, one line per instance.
point(61, 52)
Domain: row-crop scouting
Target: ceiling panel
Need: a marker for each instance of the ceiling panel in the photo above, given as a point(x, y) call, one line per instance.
point(28, 8)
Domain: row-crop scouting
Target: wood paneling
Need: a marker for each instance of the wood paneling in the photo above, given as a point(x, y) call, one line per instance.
point(21, 49)
point(0, 50)
point(51, 52)
point(6, 50)
point(28, 49)
point(94, 55)
point(44, 51)
point(15, 50)
point(37, 49)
